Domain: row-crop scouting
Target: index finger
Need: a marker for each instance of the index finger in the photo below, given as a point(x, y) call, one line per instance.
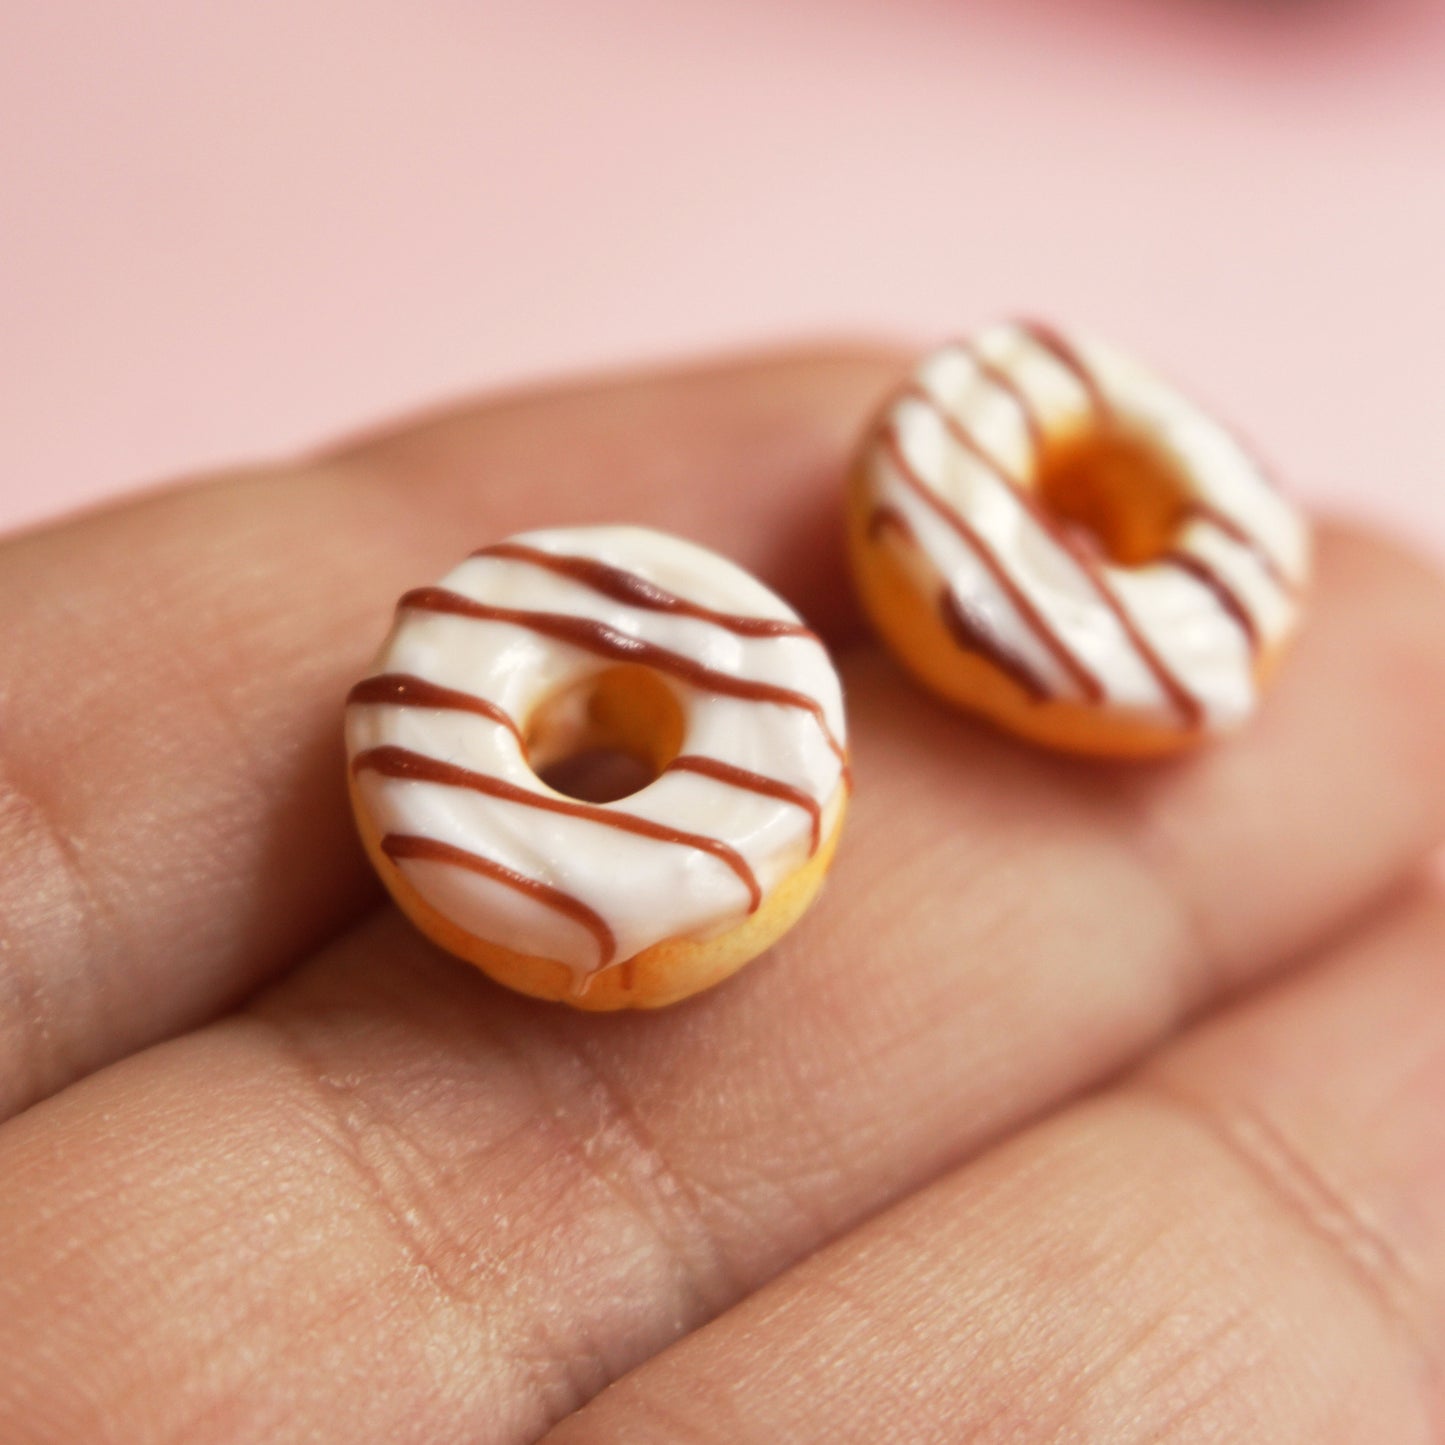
point(172, 811)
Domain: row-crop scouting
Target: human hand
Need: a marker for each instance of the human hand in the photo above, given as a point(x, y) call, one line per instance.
point(1091, 1102)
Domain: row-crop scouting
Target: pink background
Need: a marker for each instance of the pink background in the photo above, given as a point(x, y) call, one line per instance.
point(231, 230)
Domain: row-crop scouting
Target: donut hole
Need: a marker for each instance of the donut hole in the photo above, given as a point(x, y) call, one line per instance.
point(1115, 495)
point(607, 736)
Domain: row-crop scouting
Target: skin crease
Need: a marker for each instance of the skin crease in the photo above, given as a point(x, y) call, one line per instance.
point(1090, 1102)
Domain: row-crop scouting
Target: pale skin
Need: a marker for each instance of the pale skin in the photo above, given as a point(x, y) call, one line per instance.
point(1090, 1103)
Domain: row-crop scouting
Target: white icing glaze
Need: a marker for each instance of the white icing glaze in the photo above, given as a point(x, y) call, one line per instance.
point(646, 889)
point(968, 431)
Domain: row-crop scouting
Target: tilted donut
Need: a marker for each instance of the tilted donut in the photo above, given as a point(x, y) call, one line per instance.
point(1046, 533)
point(617, 640)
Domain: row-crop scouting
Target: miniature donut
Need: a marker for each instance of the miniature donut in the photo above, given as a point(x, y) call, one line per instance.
point(1046, 533)
point(708, 724)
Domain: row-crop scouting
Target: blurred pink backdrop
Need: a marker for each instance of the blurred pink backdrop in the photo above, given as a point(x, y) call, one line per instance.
point(227, 231)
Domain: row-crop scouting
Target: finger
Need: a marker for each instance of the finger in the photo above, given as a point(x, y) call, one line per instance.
point(171, 806)
point(530, 1202)
point(1240, 1244)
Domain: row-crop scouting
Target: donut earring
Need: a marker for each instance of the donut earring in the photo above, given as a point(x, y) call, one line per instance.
point(1047, 534)
point(602, 764)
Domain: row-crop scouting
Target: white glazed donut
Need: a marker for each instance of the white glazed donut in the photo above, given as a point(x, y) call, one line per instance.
point(1047, 533)
point(618, 638)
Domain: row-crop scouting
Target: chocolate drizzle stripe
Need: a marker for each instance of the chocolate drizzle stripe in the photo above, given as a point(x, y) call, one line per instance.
point(401, 689)
point(604, 641)
point(1189, 708)
point(753, 783)
point(973, 638)
point(959, 432)
point(1068, 357)
point(1183, 701)
point(1004, 381)
point(1066, 354)
point(402, 763)
point(628, 587)
point(1086, 681)
point(1223, 522)
point(399, 846)
point(1228, 598)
